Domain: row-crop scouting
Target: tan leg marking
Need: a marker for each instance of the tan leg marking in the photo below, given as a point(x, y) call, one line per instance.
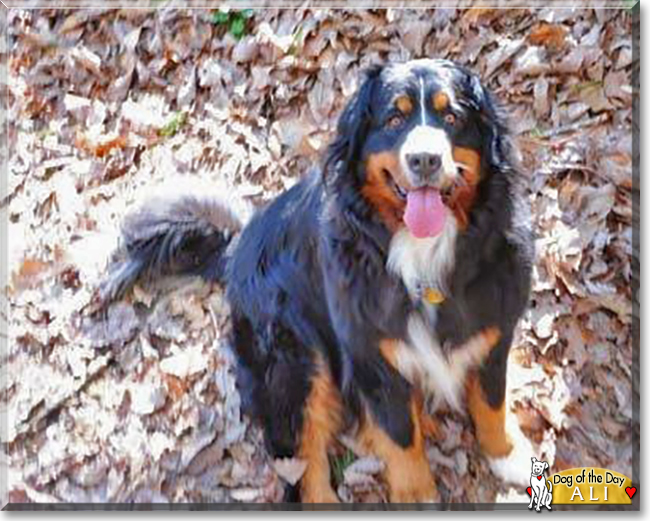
point(428, 423)
point(490, 423)
point(321, 422)
point(407, 473)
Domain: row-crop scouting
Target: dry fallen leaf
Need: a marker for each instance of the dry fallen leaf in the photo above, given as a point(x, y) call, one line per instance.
point(139, 404)
point(290, 469)
point(552, 36)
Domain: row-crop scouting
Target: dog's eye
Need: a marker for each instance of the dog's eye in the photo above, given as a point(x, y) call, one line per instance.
point(395, 121)
point(450, 119)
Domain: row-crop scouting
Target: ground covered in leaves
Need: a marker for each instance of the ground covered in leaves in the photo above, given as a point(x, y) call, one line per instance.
point(106, 104)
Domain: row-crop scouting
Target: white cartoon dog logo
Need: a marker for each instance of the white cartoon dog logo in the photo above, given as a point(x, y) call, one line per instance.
point(538, 488)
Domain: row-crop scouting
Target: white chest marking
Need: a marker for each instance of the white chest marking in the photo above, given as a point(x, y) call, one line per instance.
point(422, 362)
point(423, 262)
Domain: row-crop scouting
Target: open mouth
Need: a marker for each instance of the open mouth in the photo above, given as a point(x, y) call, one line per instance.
point(446, 189)
point(424, 210)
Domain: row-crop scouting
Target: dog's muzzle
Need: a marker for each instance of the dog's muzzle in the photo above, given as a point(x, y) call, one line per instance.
point(426, 157)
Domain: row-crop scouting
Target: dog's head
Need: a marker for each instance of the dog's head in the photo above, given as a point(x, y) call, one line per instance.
point(538, 467)
point(425, 125)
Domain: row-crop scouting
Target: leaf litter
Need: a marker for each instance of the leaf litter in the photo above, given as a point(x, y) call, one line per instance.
point(142, 406)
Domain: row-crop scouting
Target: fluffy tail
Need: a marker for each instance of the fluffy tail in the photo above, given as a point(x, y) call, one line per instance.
point(185, 235)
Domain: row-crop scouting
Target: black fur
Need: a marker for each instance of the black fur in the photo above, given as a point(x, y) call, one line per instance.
point(308, 273)
point(187, 235)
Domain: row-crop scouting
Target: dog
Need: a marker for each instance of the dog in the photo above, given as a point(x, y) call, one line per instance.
point(396, 270)
point(538, 488)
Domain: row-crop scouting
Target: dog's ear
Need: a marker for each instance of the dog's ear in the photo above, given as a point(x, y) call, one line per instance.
point(481, 101)
point(498, 174)
point(546, 465)
point(352, 128)
point(491, 117)
point(533, 459)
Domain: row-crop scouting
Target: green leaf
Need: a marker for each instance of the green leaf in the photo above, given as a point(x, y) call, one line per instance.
point(238, 27)
point(220, 17)
point(174, 125)
point(340, 463)
point(296, 41)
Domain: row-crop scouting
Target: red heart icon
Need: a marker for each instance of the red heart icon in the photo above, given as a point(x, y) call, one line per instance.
point(630, 491)
point(529, 490)
point(539, 477)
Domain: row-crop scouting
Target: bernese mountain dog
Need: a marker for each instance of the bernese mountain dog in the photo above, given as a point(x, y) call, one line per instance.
point(394, 272)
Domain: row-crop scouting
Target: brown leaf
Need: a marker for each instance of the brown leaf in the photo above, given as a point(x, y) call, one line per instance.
point(30, 273)
point(617, 85)
point(414, 34)
point(290, 469)
point(101, 148)
point(572, 62)
point(532, 62)
point(551, 36)
point(207, 457)
point(507, 49)
point(617, 167)
point(480, 15)
point(594, 96)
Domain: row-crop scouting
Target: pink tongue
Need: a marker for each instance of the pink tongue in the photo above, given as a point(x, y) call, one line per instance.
point(425, 213)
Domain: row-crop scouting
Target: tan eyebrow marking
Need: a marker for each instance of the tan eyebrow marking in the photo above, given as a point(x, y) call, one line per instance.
point(404, 104)
point(440, 101)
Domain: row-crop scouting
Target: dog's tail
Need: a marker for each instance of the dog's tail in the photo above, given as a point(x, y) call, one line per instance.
point(186, 234)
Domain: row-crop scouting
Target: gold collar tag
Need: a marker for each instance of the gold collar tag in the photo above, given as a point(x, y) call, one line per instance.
point(433, 296)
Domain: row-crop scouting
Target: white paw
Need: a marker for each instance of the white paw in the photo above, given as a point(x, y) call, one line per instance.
point(515, 467)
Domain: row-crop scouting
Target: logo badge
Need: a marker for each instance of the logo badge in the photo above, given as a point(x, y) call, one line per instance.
point(592, 486)
point(541, 489)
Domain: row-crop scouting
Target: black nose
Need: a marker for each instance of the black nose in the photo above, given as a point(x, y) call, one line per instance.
point(424, 165)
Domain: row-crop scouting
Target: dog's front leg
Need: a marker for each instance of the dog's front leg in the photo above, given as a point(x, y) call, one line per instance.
point(497, 428)
point(540, 499)
point(391, 429)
